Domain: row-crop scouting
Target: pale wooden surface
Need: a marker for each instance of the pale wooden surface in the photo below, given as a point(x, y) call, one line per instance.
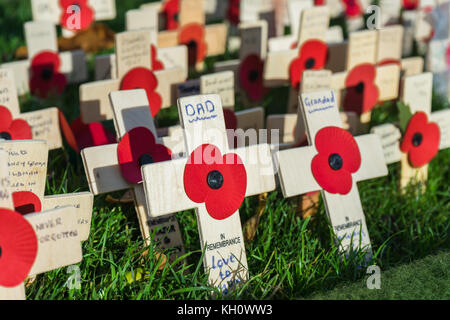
point(250, 118)
point(412, 66)
point(45, 126)
point(28, 161)
point(390, 137)
point(21, 74)
point(83, 203)
point(362, 47)
point(216, 38)
point(12, 294)
point(294, 11)
point(133, 51)
point(276, 68)
point(390, 43)
point(191, 11)
point(442, 118)
point(314, 24)
point(40, 36)
point(388, 81)
point(8, 92)
point(140, 19)
point(253, 39)
point(417, 92)
point(221, 83)
point(58, 239)
point(94, 102)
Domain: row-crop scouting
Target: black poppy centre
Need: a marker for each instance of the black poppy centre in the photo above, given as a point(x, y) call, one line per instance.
point(47, 73)
point(360, 87)
point(215, 180)
point(253, 75)
point(26, 209)
point(146, 159)
point(417, 139)
point(5, 135)
point(335, 161)
point(310, 63)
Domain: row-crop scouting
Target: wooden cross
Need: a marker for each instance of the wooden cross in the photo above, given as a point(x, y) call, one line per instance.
point(133, 50)
point(104, 175)
point(220, 232)
point(417, 94)
point(28, 174)
point(41, 36)
point(192, 13)
point(44, 123)
point(300, 168)
point(57, 235)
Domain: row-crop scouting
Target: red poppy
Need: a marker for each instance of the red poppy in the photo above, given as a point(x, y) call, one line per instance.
point(91, 135)
point(447, 56)
point(193, 35)
point(26, 202)
point(362, 92)
point(312, 56)
point(337, 159)
point(156, 64)
point(18, 248)
point(233, 13)
point(137, 148)
point(319, 2)
point(230, 119)
point(219, 182)
point(142, 78)
point(252, 77)
point(421, 140)
point(386, 62)
point(411, 4)
point(352, 8)
point(76, 14)
point(45, 76)
point(171, 9)
point(10, 129)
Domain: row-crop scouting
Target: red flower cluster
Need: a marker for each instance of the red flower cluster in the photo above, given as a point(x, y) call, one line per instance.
point(171, 9)
point(91, 135)
point(233, 13)
point(352, 8)
point(251, 76)
point(362, 92)
point(193, 35)
point(338, 158)
point(26, 202)
point(10, 129)
point(45, 76)
point(142, 78)
point(156, 64)
point(411, 4)
point(137, 148)
point(218, 182)
point(421, 140)
point(18, 248)
point(312, 56)
point(76, 14)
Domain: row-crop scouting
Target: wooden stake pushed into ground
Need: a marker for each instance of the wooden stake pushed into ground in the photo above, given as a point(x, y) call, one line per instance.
point(214, 181)
point(333, 163)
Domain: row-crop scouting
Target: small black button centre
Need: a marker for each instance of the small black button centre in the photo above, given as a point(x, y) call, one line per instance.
point(0, 251)
point(335, 161)
point(360, 87)
point(146, 159)
point(5, 135)
point(215, 180)
point(310, 63)
point(253, 76)
point(417, 139)
point(47, 74)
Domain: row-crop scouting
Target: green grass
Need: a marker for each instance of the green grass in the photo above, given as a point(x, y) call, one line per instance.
point(290, 258)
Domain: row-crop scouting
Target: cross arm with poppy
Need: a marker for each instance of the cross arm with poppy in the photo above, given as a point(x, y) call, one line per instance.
point(419, 135)
point(117, 167)
point(333, 163)
point(213, 181)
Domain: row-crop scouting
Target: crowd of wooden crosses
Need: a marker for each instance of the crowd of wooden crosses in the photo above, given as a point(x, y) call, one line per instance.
point(206, 162)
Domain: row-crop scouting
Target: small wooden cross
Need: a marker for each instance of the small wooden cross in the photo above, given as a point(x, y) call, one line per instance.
point(28, 175)
point(247, 172)
point(417, 95)
point(40, 36)
point(104, 173)
point(133, 52)
point(56, 234)
point(325, 166)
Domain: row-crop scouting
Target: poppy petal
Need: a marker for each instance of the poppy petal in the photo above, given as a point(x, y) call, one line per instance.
point(362, 93)
point(230, 119)
point(5, 118)
point(20, 130)
point(18, 248)
point(156, 64)
point(251, 76)
point(193, 35)
point(68, 132)
point(26, 202)
point(332, 181)
point(69, 20)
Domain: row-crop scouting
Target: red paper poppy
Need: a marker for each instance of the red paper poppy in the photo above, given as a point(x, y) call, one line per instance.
point(67, 132)
point(171, 9)
point(319, 2)
point(91, 135)
point(233, 13)
point(156, 64)
point(26, 202)
point(352, 8)
point(10, 129)
point(137, 148)
point(219, 182)
point(76, 14)
point(362, 92)
point(193, 35)
point(337, 159)
point(142, 78)
point(252, 77)
point(421, 140)
point(312, 56)
point(18, 248)
point(411, 4)
point(230, 119)
point(45, 76)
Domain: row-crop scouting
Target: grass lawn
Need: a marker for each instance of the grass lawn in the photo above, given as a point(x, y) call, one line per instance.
point(290, 258)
